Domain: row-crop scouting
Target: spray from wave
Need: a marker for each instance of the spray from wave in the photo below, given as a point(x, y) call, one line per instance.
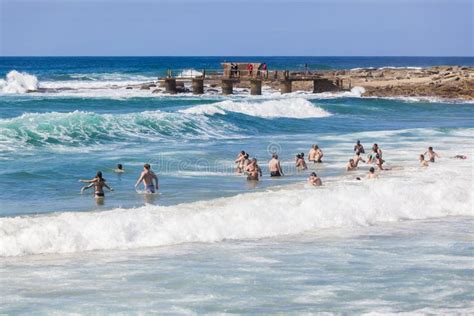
point(289, 108)
point(248, 216)
point(19, 82)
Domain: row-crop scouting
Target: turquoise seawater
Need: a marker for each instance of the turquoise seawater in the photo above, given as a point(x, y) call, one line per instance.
point(211, 242)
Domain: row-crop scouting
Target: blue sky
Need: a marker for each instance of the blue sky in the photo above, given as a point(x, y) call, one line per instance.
point(237, 27)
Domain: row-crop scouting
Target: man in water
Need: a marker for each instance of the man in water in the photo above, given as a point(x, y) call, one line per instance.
point(351, 165)
point(315, 154)
point(147, 176)
point(432, 154)
point(423, 162)
point(379, 161)
point(275, 167)
point(253, 170)
point(371, 174)
point(98, 183)
point(119, 169)
point(300, 163)
point(359, 148)
point(315, 180)
point(375, 151)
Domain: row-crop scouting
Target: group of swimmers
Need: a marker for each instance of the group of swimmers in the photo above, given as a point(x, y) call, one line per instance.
point(148, 177)
point(250, 167)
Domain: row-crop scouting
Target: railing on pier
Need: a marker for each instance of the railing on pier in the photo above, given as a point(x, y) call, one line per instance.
point(242, 74)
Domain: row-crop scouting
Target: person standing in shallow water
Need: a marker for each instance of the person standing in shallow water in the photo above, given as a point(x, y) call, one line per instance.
point(359, 148)
point(98, 183)
point(371, 174)
point(149, 178)
point(275, 167)
point(315, 180)
point(432, 154)
point(253, 170)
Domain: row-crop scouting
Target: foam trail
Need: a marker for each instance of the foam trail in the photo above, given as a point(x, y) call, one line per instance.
point(19, 82)
point(290, 108)
point(431, 193)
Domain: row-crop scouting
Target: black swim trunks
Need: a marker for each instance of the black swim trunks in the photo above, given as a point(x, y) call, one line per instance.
point(275, 174)
point(99, 194)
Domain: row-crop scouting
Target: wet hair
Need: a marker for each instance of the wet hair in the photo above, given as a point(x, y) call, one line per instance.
point(242, 152)
point(358, 178)
point(430, 148)
point(298, 155)
point(316, 146)
point(422, 156)
point(351, 160)
point(246, 156)
point(275, 156)
point(99, 175)
point(119, 166)
point(147, 166)
point(302, 155)
point(372, 170)
point(313, 174)
point(254, 159)
point(358, 142)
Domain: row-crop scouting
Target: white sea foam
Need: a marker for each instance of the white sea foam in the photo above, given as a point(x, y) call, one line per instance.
point(438, 191)
point(19, 82)
point(290, 108)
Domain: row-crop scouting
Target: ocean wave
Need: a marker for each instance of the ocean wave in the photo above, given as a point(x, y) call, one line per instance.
point(19, 82)
point(189, 73)
point(290, 108)
point(430, 193)
point(83, 128)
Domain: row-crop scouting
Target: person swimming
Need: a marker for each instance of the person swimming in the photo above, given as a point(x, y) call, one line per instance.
point(119, 169)
point(300, 163)
point(359, 148)
point(98, 183)
point(351, 165)
point(379, 161)
point(371, 174)
point(315, 180)
point(149, 178)
point(422, 160)
point(432, 154)
point(275, 167)
point(253, 170)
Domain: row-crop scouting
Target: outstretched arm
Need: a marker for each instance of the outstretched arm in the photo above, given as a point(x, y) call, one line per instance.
point(88, 181)
point(139, 180)
point(110, 189)
point(156, 180)
point(87, 187)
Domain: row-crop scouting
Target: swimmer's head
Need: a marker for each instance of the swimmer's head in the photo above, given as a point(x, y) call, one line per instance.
point(254, 160)
point(246, 156)
point(302, 155)
point(275, 156)
point(313, 174)
point(99, 175)
point(357, 178)
point(422, 157)
point(119, 166)
point(147, 166)
point(430, 148)
point(371, 170)
point(358, 142)
point(242, 152)
point(351, 160)
point(298, 156)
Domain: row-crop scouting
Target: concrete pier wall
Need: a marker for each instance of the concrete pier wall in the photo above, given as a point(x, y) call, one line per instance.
point(255, 87)
point(170, 85)
point(227, 86)
point(198, 86)
point(285, 86)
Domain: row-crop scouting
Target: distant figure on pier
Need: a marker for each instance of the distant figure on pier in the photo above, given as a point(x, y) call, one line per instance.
point(250, 69)
point(234, 70)
point(275, 167)
point(359, 147)
point(265, 71)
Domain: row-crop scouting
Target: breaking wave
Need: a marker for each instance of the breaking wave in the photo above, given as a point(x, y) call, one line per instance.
point(291, 210)
point(19, 82)
point(83, 128)
point(290, 108)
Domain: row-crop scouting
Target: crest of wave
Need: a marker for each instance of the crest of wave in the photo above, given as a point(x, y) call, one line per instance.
point(190, 73)
point(290, 108)
point(247, 216)
point(19, 82)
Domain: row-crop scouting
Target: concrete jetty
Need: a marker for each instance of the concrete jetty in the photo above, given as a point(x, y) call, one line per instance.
point(253, 76)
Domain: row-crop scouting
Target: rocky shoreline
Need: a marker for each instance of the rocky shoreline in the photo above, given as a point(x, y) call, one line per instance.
point(447, 82)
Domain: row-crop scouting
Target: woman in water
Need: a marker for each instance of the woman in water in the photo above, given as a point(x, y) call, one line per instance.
point(98, 183)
